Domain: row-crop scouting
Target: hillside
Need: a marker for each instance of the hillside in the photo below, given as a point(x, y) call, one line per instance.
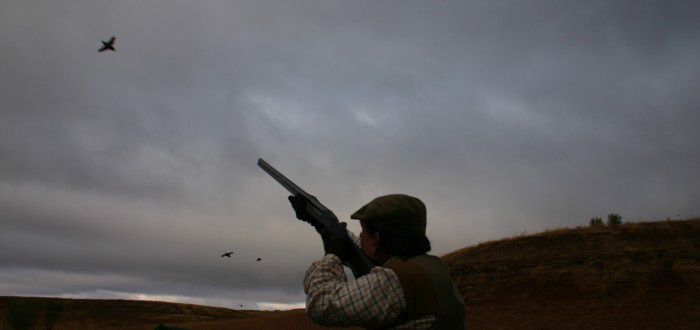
point(637, 275)
point(634, 276)
point(142, 315)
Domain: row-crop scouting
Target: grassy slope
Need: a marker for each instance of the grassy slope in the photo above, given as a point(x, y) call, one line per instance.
point(630, 260)
point(99, 313)
point(640, 275)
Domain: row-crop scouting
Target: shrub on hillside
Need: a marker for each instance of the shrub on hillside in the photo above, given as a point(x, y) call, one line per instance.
point(614, 219)
point(596, 222)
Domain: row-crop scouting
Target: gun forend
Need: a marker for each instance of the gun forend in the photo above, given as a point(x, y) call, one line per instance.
point(289, 185)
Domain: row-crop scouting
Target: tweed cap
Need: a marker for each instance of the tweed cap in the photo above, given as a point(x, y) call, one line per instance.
point(396, 214)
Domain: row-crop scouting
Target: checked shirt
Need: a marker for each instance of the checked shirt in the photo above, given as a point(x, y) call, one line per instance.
point(375, 300)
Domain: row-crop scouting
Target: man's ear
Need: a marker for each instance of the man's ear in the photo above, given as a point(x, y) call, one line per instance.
point(376, 239)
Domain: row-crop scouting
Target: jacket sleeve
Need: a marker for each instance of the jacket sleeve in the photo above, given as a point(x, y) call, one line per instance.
point(371, 301)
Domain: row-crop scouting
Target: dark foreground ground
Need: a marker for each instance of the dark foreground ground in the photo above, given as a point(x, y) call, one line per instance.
point(665, 312)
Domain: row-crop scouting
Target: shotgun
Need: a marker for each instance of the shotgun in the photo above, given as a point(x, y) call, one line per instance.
point(358, 262)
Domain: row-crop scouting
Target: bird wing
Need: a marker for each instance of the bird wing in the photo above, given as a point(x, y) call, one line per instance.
point(105, 47)
point(111, 41)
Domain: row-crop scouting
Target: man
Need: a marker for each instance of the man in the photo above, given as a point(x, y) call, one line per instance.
point(409, 290)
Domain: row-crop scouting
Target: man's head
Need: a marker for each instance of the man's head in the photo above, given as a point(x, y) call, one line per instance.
point(393, 225)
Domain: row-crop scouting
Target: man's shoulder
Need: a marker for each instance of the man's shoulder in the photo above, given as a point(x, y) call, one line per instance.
point(410, 270)
point(414, 260)
point(419, 269)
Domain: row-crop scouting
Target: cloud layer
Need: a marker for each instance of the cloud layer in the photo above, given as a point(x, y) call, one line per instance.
point(126, 174)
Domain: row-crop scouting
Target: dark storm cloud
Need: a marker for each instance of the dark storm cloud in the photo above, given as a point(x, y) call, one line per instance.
point(129, 172)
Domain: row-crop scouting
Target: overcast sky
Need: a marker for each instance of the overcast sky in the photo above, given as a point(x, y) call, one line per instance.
point(127, 174)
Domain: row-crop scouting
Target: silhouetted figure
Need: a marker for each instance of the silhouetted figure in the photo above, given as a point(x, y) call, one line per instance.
point(227, 254)
point(259, 259)
point(410, 289)
point(108, 45)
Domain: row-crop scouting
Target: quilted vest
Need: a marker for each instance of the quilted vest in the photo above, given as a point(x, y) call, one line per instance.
point(429, 290)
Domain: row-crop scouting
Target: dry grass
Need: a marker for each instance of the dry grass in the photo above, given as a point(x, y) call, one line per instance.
point(585, 277)
point(597, 261)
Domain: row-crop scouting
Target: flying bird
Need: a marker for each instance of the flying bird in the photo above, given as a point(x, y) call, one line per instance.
point(108, 45)
point(259, 259)
point(227, 254)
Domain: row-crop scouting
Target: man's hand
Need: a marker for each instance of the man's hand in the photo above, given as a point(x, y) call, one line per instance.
point(335, 238)
point(299, 206)
point(337, 241)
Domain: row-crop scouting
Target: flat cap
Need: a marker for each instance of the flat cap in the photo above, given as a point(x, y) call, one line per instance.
point(395, 214)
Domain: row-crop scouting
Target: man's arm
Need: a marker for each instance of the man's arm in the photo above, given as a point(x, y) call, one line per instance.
point(373, 300)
